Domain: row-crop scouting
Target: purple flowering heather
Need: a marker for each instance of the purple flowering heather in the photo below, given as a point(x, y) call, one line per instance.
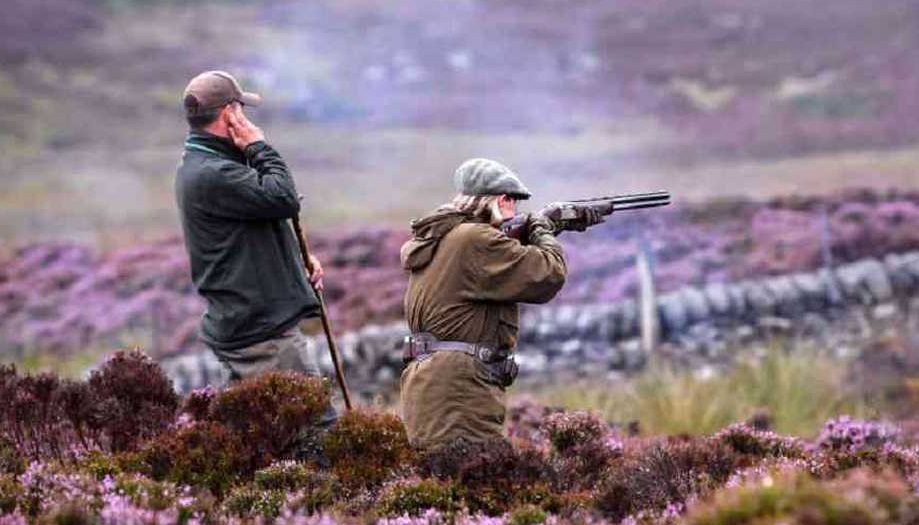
point(199, 402)
point(845, 434)
point(526, 416)
point(120, 510)
point(428, 517)
point(46, 485)
point(435, 517)
point(570, 429)
point(64, 298)
point(13, 519)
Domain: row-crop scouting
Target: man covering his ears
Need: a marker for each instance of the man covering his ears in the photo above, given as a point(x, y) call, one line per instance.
point(235, 195)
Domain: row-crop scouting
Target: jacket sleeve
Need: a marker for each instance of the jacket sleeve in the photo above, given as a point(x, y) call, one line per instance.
point(260, 192)
point(505, 270)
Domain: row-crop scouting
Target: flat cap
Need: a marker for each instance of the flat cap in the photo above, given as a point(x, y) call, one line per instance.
point(488, 177)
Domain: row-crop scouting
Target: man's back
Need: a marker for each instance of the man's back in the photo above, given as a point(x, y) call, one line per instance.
point(244, 258)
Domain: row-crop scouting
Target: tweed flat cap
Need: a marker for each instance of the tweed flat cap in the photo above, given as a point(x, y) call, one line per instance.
point(488, 177)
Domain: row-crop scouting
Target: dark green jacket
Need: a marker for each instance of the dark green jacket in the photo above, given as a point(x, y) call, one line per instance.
point(245, 261)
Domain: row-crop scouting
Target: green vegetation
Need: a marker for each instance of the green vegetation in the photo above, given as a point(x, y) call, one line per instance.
point(798, 392)
point(859, 497)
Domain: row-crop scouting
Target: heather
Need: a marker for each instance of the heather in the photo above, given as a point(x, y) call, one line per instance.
point(58, 299)
point(125, 402)
point(207, 461)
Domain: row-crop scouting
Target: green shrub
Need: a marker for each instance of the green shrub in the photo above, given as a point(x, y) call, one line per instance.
point(313, 490)
point(303, 489)
point(861, 497)
point(10, 493)
point(286, 475)
point(412, 497)
point(11, 462)
point(147, 493)
point(200, 454)
point(527, 515)
point(270, 412)
point(320, 495)
point(99, 465)
point(249, 501)
point(366, 447)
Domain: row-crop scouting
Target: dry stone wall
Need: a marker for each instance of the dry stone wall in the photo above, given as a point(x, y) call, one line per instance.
point(840, 309)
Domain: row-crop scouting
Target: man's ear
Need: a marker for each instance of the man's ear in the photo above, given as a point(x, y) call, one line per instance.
point(225, 114)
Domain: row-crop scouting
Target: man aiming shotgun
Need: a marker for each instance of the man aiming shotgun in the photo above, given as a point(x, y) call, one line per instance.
point(470, 263)
point(235, 196)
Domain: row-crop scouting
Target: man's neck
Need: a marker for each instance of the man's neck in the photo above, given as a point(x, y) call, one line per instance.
point(204, 140)
point(219, 129)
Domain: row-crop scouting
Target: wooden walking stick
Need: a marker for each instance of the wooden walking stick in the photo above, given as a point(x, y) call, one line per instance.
point(333, 349)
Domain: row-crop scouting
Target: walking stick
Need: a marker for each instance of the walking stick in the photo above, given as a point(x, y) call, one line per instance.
point(333, 350)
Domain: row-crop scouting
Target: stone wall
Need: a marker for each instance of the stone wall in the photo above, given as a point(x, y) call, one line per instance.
point(840, 309)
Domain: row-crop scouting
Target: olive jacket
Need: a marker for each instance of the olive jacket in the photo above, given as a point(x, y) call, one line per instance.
point(467, 277)
point(465, 281)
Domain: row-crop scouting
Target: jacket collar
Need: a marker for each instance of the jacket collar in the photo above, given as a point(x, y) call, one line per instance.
point(214, 145)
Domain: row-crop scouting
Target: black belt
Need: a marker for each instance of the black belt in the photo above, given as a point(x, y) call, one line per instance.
point(421, 344)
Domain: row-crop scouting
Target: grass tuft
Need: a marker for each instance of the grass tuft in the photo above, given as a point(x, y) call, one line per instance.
point(799, 392)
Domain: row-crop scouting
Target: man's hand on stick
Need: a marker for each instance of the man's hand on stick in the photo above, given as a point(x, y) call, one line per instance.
point(318, 272)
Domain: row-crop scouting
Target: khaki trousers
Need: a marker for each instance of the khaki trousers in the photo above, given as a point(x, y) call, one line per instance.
point(289, 351)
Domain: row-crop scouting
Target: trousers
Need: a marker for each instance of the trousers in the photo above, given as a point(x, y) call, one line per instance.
point(291, 351)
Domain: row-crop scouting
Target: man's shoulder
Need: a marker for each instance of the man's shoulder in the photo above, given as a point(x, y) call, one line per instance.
point(469, 233)
point(201, 167)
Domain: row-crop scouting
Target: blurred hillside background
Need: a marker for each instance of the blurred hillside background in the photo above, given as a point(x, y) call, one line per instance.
point(786, 130)
point(374, 104)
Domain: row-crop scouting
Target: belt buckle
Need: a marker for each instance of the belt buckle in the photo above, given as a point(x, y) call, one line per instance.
point(418, 346)
point(408, 351)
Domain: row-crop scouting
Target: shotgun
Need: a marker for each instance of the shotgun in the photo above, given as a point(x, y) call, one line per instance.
point(565, 214)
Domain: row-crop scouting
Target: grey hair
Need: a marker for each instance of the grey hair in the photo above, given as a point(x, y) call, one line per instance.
point(483, 207)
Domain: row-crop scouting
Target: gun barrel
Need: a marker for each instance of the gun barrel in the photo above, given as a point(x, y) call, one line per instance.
point(641, 200)
point(629, 202)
